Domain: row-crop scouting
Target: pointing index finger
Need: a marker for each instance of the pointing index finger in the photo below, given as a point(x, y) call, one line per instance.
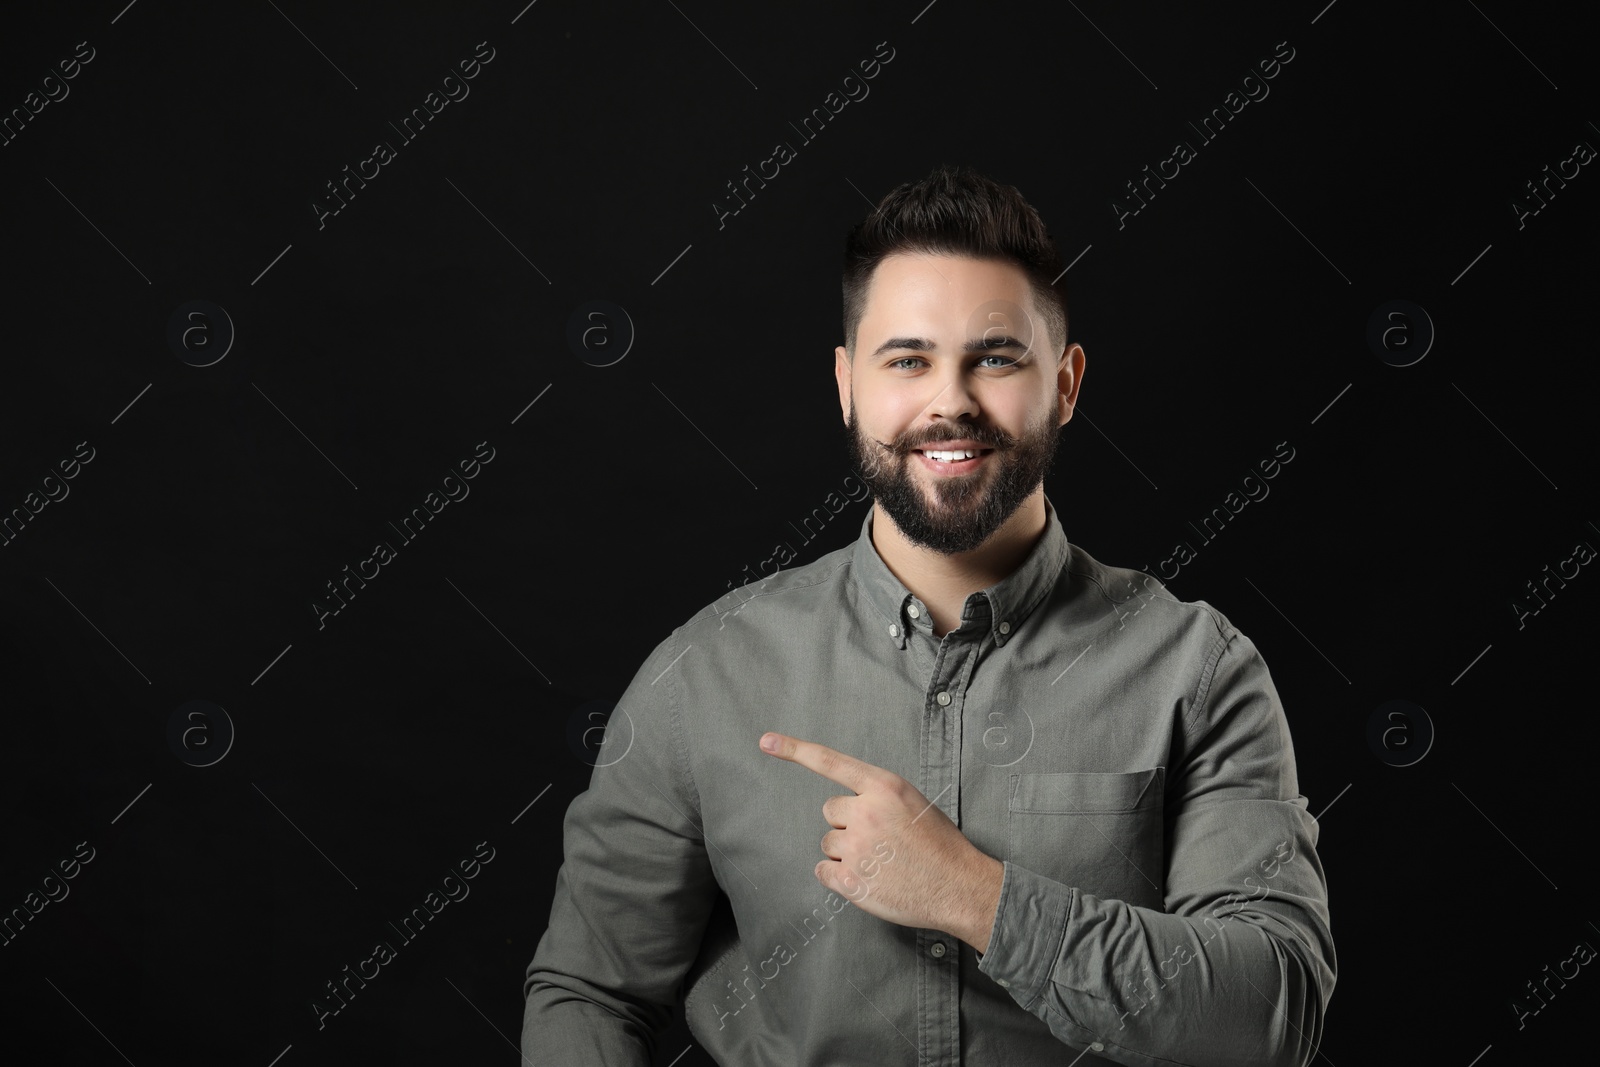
point(833, 765)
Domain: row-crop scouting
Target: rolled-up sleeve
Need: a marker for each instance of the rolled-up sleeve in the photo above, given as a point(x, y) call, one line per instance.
point(633, 892)
point(1238, 969)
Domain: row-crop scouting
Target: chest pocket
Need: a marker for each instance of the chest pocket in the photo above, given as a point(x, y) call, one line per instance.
point(1101, 832)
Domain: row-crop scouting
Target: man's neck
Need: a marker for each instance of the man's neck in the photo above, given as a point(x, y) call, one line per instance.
point(943, 582)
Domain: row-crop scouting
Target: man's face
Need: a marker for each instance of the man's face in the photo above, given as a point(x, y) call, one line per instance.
point(920, 384)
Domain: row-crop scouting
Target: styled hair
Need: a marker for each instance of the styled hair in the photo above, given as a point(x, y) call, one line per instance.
point(955, 211)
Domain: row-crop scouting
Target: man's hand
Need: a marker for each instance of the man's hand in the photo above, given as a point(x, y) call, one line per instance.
point(893, 853)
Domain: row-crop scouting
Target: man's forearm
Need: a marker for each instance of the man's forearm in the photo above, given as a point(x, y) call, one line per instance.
point(1203, 991)
point(975, 899)
point(561, 1026)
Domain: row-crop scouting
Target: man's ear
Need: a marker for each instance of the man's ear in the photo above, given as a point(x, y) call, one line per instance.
point(842, 369)
point(1069, 377)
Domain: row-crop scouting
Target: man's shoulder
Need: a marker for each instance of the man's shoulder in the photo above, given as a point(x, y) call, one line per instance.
point(780, 618)
point(778, 601)
point(1129, 591)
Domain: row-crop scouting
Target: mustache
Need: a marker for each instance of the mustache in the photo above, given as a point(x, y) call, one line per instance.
point(985, 439)
point(903, 446)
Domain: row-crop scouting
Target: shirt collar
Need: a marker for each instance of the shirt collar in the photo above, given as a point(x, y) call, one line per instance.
point(1001, 608)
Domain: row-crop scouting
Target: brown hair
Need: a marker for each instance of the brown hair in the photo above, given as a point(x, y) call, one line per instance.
point(955, 211)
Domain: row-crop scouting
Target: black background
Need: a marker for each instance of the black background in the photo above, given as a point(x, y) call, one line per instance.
point(373, 354)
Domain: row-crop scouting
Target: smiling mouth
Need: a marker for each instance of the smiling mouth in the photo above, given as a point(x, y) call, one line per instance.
point(959, 451)
point(953, 461)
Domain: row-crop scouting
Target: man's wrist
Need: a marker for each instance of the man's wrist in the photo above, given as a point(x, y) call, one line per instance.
point(978, 900)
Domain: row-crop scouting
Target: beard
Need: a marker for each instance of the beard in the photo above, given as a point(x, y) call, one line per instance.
point(965, 509)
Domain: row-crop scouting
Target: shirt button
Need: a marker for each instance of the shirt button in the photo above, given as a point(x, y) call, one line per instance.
point(1005, 627)
point(1097, 1047)
point(894, 631)
point(936, 950)
point(914, 612)
point(1002, 983)
point(943, 698)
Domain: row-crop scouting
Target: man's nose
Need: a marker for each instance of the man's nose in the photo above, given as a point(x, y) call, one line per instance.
point(954, 399)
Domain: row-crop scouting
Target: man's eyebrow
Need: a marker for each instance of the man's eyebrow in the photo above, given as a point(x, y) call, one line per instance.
point(976, 344)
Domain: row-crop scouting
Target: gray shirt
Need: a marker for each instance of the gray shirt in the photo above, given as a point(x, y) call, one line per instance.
point(1124, 753)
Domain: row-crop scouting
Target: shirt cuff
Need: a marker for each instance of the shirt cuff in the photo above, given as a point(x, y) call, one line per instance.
point(1029, 926)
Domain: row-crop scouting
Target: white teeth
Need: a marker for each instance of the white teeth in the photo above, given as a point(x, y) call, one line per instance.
point(951, 457)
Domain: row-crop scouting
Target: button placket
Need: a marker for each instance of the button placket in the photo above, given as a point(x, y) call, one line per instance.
point(940, 985)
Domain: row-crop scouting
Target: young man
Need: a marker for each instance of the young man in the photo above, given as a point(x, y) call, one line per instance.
point(1056, 808)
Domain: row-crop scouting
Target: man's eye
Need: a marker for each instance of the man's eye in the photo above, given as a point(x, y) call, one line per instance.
point(899, 363)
